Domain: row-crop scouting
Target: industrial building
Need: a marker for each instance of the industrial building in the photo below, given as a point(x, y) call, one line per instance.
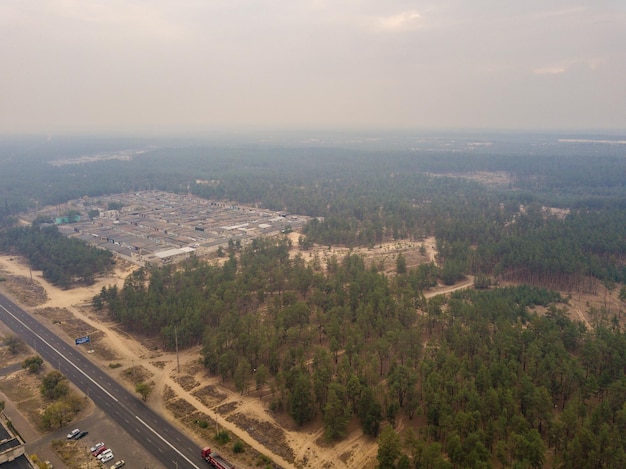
point(157, 226)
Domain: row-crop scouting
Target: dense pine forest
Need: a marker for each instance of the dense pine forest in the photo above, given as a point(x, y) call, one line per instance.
point(500, 376)
point(492, 376)
point(64, 262)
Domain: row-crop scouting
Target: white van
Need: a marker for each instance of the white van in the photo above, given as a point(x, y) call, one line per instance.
point(102, 455)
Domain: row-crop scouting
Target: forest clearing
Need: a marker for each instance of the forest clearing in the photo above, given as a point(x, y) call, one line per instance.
point(192, 391)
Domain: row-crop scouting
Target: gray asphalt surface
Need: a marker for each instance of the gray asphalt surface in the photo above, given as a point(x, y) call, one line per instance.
point(170, 447)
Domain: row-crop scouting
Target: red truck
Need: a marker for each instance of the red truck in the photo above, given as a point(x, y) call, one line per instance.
point(216, 460)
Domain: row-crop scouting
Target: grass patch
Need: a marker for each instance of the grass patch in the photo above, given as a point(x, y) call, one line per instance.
point(137, 374)
point(222, 437)
point(238, 447)
point(16, 392)
point(70, 452)
point(186, 382)
point(202, 423)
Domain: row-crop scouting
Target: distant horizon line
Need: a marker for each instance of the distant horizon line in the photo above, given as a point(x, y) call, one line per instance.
point(256, 131)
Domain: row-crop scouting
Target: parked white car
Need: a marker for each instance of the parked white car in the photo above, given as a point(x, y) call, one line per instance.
point(73, 433)
point(96, 447)
point(104, 454)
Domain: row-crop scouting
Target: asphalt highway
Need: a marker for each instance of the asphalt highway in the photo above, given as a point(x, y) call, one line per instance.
point(155, 434)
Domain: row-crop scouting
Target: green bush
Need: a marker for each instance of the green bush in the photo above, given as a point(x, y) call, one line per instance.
point(222, 437)
point(238, 447)
point(202, 423)
point(32, 364)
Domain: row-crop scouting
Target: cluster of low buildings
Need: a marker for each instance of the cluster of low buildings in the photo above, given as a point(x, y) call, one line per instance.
point(156, 226)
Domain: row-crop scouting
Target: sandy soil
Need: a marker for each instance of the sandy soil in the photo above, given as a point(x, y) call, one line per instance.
point(70, 314)
point(385, 253)
point(187, 389)
point(189, 395)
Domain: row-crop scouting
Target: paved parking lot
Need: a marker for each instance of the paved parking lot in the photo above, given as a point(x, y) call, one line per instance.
point(100, 428)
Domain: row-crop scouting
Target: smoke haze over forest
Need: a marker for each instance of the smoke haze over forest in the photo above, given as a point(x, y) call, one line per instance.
point(187, 66)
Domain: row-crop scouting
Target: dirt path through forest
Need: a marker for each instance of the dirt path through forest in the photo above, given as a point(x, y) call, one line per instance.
point(354, 451)
point(305, 444)
point(130, 352)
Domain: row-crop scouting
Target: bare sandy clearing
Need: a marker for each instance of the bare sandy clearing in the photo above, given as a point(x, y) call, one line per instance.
point(383, 253)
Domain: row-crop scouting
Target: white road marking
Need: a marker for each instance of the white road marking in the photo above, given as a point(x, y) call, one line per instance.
point(166, 442)
point(60, 354)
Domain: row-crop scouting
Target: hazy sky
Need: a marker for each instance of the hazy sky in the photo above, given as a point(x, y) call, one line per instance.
point(156, 65)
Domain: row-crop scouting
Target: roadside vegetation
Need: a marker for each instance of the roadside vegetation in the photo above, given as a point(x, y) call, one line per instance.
point(41, 394)
point(487, 375)
point(64, 261)
point(497, 375)
point(62, 405)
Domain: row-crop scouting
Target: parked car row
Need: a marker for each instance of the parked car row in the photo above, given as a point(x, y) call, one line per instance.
point(98, 450)
point(104, 454)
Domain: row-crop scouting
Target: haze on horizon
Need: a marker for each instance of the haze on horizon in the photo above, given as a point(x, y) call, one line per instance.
point(194, 65)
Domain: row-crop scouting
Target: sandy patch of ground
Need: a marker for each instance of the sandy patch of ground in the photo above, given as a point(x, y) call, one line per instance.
point(493, 179)
point(22, 389)
point(198, 403)
point(25, 290)
point(190, 399)
point(385, 254)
